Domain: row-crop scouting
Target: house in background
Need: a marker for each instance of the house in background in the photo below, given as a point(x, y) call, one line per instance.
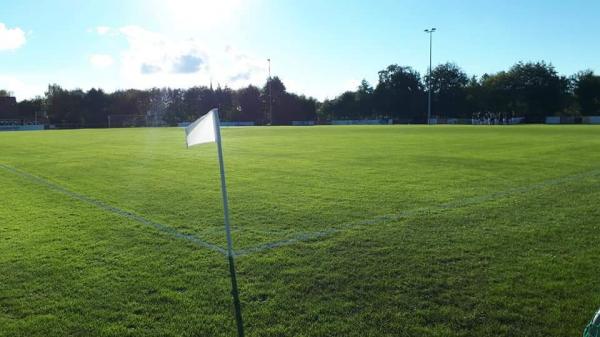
point(8, 108)
point(11, 120)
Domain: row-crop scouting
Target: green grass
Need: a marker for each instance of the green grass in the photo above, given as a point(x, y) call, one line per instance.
point(341, 231)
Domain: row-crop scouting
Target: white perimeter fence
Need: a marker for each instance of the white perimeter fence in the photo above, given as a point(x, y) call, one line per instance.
point(478, 121)
point(361, 121)
point(573, 120)
point(185, 124)
point(26, 127)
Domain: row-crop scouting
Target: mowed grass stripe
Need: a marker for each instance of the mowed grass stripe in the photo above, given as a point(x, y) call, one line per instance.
point(507, 267)
point(68, 268)
point(287, 181)
point(310, 235)
point(420, 211)
point(109, 208)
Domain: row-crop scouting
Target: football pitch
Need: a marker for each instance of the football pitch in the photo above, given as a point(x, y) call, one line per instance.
point(338, 231)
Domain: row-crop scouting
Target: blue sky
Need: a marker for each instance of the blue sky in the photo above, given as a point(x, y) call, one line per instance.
point(319, 48)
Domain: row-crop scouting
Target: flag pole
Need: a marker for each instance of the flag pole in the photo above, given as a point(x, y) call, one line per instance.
point(230, 254)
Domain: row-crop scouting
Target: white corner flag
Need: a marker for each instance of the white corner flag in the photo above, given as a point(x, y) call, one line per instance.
point(207, 129)
point(203, 130)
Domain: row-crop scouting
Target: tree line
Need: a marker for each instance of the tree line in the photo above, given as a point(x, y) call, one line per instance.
point(531, 90)
point(167, 106)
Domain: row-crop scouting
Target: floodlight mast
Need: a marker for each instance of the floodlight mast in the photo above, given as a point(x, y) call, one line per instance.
point(430, 32)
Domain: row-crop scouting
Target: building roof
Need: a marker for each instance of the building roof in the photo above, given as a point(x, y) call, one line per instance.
point(8, 107)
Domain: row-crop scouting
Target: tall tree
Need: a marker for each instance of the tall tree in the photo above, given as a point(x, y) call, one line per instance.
point(30, 109)
point(365, 100)
point(587, 92)
point(537, 89)
point(64, 107)
point(399, 93)
point(448, 84)
point(197, 101)
point(95, 108)
point(532, 90)
point(273, 95)
point(224, 100)
point(175, 108)
point(248, 104)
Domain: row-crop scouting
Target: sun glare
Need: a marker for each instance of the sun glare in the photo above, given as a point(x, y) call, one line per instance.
point(191, 14)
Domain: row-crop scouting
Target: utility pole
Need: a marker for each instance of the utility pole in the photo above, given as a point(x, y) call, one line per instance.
point(270, 94)
point(430, 32)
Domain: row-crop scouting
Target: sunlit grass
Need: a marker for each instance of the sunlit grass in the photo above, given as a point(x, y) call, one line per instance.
point(379, 230)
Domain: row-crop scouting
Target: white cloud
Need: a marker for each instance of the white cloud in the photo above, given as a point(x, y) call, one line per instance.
point(156, 60)
point(11, 38)
point(19, 88)
point(242, 69)
point(102, 30)
point(152, 59)
point(101, 60)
